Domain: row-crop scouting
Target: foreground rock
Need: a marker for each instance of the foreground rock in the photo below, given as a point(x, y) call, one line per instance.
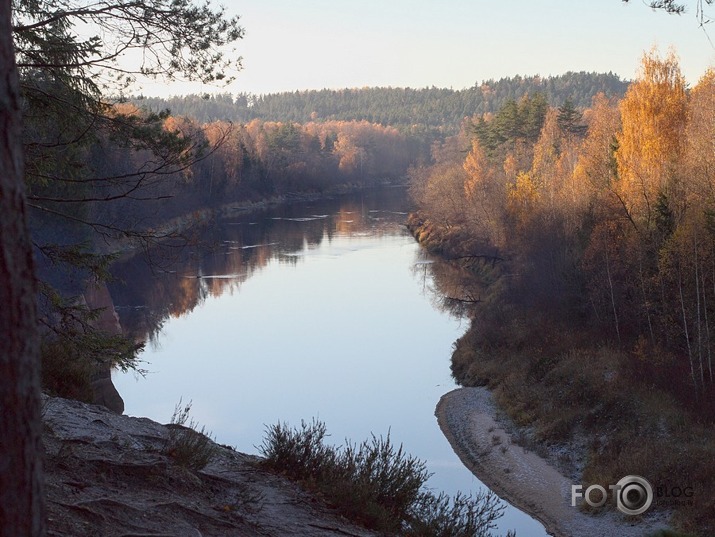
point(108, 475)
point(468, 418)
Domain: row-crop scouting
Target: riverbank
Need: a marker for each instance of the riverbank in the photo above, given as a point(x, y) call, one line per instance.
point(599, 411)
point(485, 444)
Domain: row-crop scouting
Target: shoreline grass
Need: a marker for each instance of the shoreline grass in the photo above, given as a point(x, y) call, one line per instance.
point(375, 484)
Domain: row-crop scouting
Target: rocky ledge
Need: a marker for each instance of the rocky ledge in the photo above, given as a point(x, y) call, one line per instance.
point(111, 475)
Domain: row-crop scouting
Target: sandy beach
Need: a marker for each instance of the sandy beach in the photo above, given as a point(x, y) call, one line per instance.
point(468, 418)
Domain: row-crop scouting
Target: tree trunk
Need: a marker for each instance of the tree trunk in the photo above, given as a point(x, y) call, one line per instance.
point(697, 305)
point(685, 329)
point(613, 298)
point(646, 303)
point(21, 489)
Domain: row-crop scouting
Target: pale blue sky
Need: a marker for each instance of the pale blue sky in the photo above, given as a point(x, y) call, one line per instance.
point(316, 44)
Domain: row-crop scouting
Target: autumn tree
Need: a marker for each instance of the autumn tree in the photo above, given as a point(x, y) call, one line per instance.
point(21, 489)
point(439, 189)
point(443, 191)
point(547, 153)
point(225, 165)
point(653, 115)
point(687, 259)
point(484, 190)
point(699, 158)
point(596, 166)
point(524, 200)
point(650, 185)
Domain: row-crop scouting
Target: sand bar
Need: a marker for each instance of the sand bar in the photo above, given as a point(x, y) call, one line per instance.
point(468, 418)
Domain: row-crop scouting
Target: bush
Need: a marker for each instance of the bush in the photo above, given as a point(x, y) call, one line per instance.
point(462, 516)
point(375, 484)
point(189, 447)
point(298, 453)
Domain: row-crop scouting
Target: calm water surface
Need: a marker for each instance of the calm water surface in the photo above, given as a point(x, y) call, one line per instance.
point(320, 310)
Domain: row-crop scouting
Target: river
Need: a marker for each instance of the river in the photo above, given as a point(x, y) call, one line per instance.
point(324, 309)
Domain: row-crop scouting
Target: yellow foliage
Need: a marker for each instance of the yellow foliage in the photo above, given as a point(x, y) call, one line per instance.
point(546, 150)
point(595, 168)
point(653, 115)
point(523, 197)
point(477, 168)
point(700, 141)
point(484, 193)
point(510, 166)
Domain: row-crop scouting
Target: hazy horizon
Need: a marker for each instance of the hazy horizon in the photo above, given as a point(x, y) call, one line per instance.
point(454, 44)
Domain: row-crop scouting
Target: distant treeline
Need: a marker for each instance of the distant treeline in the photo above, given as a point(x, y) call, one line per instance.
point(127, 189)
point(439, 108)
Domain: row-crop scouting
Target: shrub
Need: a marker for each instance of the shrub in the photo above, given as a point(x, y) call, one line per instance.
point(189, 447)
point(462, 516)
point(375, 483)
point(298, 453)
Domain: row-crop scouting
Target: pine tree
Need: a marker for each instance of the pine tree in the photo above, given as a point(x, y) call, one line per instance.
point(21, 492)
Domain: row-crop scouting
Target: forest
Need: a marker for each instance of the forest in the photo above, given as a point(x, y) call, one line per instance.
point(588, 242)
point(594, 212)
point(411, 110)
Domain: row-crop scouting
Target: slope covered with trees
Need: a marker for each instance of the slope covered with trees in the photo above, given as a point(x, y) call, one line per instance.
point(435, 108)
point(590, 242)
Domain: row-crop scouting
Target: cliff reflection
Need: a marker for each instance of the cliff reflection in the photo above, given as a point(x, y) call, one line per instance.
point(169, 282)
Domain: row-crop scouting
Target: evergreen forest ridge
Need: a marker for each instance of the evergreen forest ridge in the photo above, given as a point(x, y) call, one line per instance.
point(434, 108)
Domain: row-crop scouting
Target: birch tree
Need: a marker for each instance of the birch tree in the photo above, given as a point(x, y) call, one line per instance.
point(653, 116)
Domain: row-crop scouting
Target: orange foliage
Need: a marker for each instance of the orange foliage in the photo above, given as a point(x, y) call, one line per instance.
point(595, 168)
point(653, 115)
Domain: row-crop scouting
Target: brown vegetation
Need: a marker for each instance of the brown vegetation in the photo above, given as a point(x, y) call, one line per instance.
point(221, 163)
point(601, 228)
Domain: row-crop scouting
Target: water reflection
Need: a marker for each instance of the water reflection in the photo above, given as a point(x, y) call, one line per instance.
point(314, 310)
point(171, 281)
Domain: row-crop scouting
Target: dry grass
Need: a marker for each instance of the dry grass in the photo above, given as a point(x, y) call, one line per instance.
point(190, 447)
point(375, 484)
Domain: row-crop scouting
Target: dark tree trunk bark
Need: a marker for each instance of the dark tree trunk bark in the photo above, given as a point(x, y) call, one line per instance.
point(21, 489)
